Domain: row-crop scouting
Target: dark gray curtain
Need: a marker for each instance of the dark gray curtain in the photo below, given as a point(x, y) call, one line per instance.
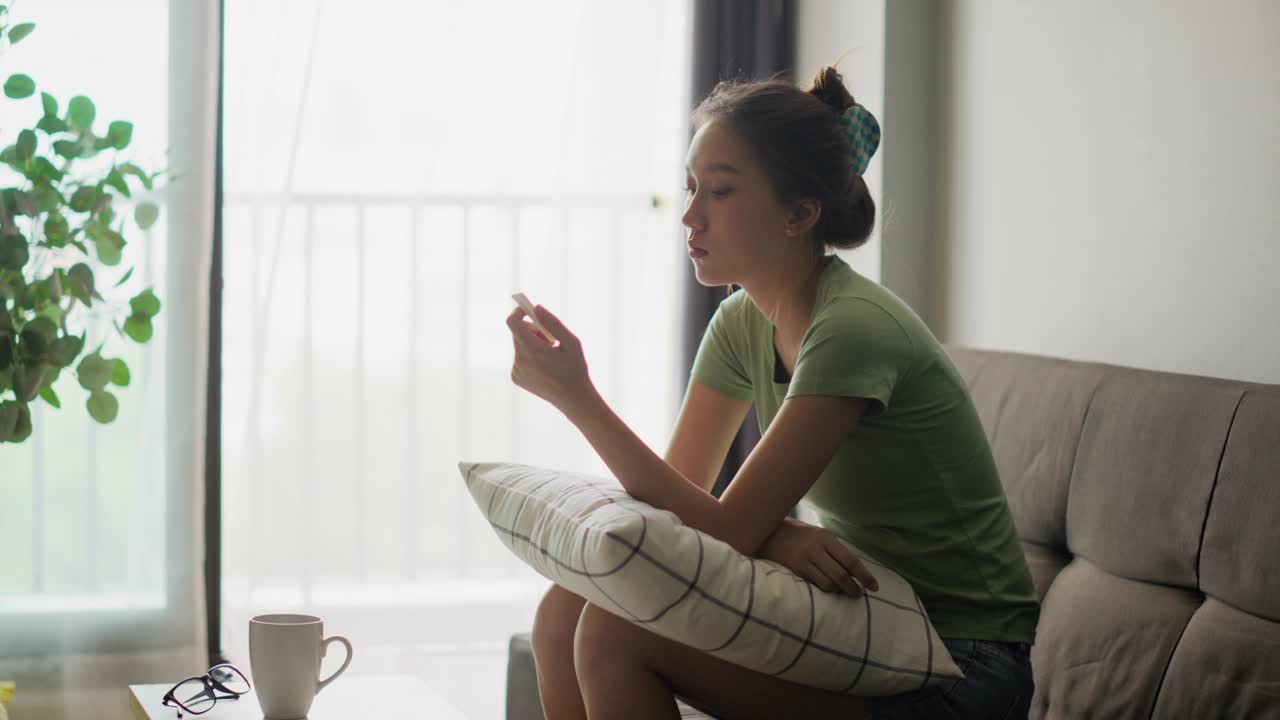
point(732, 40)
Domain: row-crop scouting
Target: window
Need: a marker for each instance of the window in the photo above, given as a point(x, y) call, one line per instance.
point(394, 172)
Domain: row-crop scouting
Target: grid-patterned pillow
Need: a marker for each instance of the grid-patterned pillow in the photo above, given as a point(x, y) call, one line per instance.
point(643, 564)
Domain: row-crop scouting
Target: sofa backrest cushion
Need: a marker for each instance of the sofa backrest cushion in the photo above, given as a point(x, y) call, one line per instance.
point(1149, 508)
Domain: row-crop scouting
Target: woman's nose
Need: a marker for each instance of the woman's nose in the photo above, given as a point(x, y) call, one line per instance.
point(691, 218)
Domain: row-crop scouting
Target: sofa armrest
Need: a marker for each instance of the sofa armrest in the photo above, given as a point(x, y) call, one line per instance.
point(523, 702)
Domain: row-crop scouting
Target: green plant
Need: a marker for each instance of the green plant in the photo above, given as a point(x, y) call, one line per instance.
point(59, 234)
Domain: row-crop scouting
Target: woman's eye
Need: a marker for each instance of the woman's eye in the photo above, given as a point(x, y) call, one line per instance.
point(718, 193)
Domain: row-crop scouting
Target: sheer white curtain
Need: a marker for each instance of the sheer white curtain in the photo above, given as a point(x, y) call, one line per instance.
point(101, 532)
point(394, 171)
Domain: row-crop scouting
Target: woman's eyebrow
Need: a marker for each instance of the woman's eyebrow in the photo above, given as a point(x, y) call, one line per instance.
point(717, 167)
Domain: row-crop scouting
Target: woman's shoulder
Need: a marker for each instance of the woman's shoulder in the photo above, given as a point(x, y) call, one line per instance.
point(843, 283)
point(852, 298)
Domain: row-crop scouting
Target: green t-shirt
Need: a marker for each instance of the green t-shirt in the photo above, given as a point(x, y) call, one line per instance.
point(914, 485)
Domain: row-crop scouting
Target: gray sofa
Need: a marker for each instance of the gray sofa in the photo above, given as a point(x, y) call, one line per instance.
point(1149, 508)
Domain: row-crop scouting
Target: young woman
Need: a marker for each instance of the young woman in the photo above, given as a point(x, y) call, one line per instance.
point(863, 415)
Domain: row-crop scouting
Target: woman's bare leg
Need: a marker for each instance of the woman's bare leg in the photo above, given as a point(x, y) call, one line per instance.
point(554, 626)
point(626, 671)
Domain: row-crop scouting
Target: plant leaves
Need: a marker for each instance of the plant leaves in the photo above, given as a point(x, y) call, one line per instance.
point(102, 206)
point(19, 86)
point(18, 32)
point(27, 380)
point(55, 229)
point(119, 133)
point(8, 420)
point(80, 112)
point(138, 327)
point(94, 371)
point(145, 304)
point(125, 279)
point(13, 252)
point(26, 146)
point(103, 406)
point(120, 375)
point(50, 104)
point(42, 169)
point(47, 198)
point(50, 396)
point(52, 376)
point(23, 430)
point(145, 214)
point(64, 350)
point(67, 148)
point(80, 278)
point(82, 199)
point(55, 287)
point(42, 326)
point(110, 246)
point(51, 125)
point(116, 180)
point(31, 345)
point(24, 203)
point(51, 310)
point(131, 169)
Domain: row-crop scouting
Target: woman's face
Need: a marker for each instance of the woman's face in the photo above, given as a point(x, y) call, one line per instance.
point(737, 227)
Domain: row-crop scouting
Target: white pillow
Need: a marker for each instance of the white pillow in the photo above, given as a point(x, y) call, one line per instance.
point(643, 564)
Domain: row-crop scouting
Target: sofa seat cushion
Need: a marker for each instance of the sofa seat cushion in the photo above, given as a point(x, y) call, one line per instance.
point(643, 564)
point(1104, 642)
point(1226, 664)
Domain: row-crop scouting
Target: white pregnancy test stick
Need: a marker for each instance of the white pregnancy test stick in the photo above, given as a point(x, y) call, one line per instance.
point(527, 306)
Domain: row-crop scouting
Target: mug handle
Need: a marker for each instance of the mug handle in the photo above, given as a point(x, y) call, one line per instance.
point(325, 644)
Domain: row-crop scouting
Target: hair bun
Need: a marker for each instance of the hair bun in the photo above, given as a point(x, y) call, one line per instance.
point(828, 86)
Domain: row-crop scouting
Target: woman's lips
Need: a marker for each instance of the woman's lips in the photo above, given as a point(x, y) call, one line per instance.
point(696, 252)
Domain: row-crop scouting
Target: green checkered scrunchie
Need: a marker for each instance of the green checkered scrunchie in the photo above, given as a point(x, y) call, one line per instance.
point(864, 135)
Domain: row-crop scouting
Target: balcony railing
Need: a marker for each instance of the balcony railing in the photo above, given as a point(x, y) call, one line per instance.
point(362, 416)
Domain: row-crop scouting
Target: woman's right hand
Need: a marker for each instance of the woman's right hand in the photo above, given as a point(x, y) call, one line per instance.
point(817, 555)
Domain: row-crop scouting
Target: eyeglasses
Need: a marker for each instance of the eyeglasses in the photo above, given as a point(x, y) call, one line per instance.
point(198, 695)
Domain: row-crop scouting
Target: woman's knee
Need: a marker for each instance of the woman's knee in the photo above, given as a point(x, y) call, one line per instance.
point(556, 621)
point(603, 638)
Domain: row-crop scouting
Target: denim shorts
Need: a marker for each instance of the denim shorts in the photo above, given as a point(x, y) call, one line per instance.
point(997, 685)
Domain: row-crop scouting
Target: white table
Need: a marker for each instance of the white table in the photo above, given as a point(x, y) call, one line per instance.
point(390, 696)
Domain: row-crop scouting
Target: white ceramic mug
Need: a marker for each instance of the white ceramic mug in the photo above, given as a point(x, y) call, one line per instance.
point(284, 658)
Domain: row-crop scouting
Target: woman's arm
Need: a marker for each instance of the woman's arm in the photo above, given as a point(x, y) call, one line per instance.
point(708, 422)
point(797, 447)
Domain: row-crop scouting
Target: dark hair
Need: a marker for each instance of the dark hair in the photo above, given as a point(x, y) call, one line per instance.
point(797, 137)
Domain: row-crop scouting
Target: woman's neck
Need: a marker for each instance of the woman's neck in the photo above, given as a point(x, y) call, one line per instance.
point(786, 298)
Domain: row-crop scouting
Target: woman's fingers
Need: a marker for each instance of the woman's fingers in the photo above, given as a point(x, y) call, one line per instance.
point(819, 577)
point(553, 324)
point(851, 564)
point(522, 330)
point(515, 319)
point(838, 575)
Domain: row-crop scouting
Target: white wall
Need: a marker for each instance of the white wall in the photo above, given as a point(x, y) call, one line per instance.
point(1114, 182)
point(827, 30)
point(1092, 180)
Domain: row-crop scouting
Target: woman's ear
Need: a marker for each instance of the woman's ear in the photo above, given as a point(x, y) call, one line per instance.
point(803, 217)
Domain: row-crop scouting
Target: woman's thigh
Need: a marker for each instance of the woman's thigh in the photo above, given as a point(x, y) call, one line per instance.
point(998, 684)
point(715, 686)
